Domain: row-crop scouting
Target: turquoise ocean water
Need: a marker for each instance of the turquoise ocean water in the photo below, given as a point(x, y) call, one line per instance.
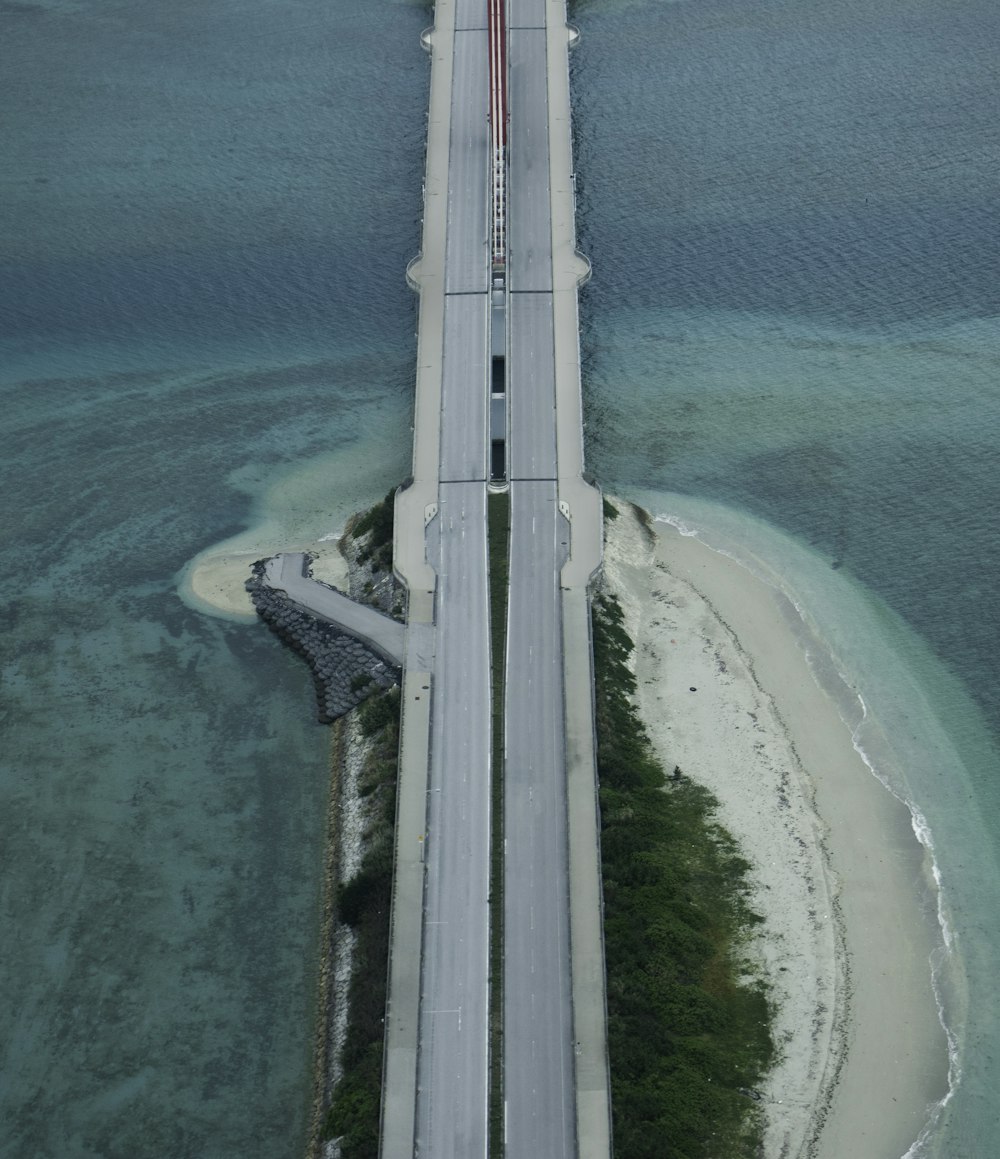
point(791, 343)
point(207, 209)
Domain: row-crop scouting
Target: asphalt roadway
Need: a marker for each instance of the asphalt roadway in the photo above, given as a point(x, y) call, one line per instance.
point(452, 1067)
point(453, 1037)
point(539, 1094)
point(539, 1101)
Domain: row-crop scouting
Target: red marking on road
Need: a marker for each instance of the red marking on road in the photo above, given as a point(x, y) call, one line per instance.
point(497, 25)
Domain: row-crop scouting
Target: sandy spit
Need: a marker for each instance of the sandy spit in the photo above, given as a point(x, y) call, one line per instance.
point(728, 695)
point(214, 581)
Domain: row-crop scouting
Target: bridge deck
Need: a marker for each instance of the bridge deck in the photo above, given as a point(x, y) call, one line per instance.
point(437, 1050)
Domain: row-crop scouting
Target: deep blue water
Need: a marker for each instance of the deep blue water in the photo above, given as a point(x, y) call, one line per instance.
point(791, 340)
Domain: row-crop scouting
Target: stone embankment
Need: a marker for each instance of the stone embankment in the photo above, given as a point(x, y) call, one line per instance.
point(345, 672)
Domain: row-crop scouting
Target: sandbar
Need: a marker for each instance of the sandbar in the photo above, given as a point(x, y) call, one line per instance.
point(213, 582)
point(727, 693)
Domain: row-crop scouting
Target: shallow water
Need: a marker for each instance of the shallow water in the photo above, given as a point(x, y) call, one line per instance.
point(203, 311)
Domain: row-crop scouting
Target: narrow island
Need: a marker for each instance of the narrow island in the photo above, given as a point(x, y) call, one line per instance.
point(754, 812)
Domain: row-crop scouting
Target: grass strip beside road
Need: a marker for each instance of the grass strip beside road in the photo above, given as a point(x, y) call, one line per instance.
point(499, 574)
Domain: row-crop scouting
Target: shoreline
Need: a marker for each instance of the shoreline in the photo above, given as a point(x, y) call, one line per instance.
point(846, 890)
point(727, 692)
point(213, 582)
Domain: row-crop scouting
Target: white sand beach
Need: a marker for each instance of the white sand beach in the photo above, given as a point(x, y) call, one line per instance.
point(214, 581)
point(303, 509)
point(727, 693)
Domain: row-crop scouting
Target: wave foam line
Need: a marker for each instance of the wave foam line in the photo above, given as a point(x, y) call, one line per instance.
point(938, 962)
point(918, 822)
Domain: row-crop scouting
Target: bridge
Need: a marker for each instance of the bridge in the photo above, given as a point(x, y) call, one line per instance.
point(497, 408)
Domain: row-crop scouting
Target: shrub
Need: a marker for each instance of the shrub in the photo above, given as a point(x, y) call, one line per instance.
point(687, 1032)
point(377, 523)
point(363, 903)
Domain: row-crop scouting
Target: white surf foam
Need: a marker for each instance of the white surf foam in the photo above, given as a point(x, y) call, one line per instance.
point(823, 663)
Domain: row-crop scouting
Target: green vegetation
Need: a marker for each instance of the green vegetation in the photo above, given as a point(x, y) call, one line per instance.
point(688, 1022)
point(499, 569)
point(610, 510)
point(363, 904)
point(377, 522)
